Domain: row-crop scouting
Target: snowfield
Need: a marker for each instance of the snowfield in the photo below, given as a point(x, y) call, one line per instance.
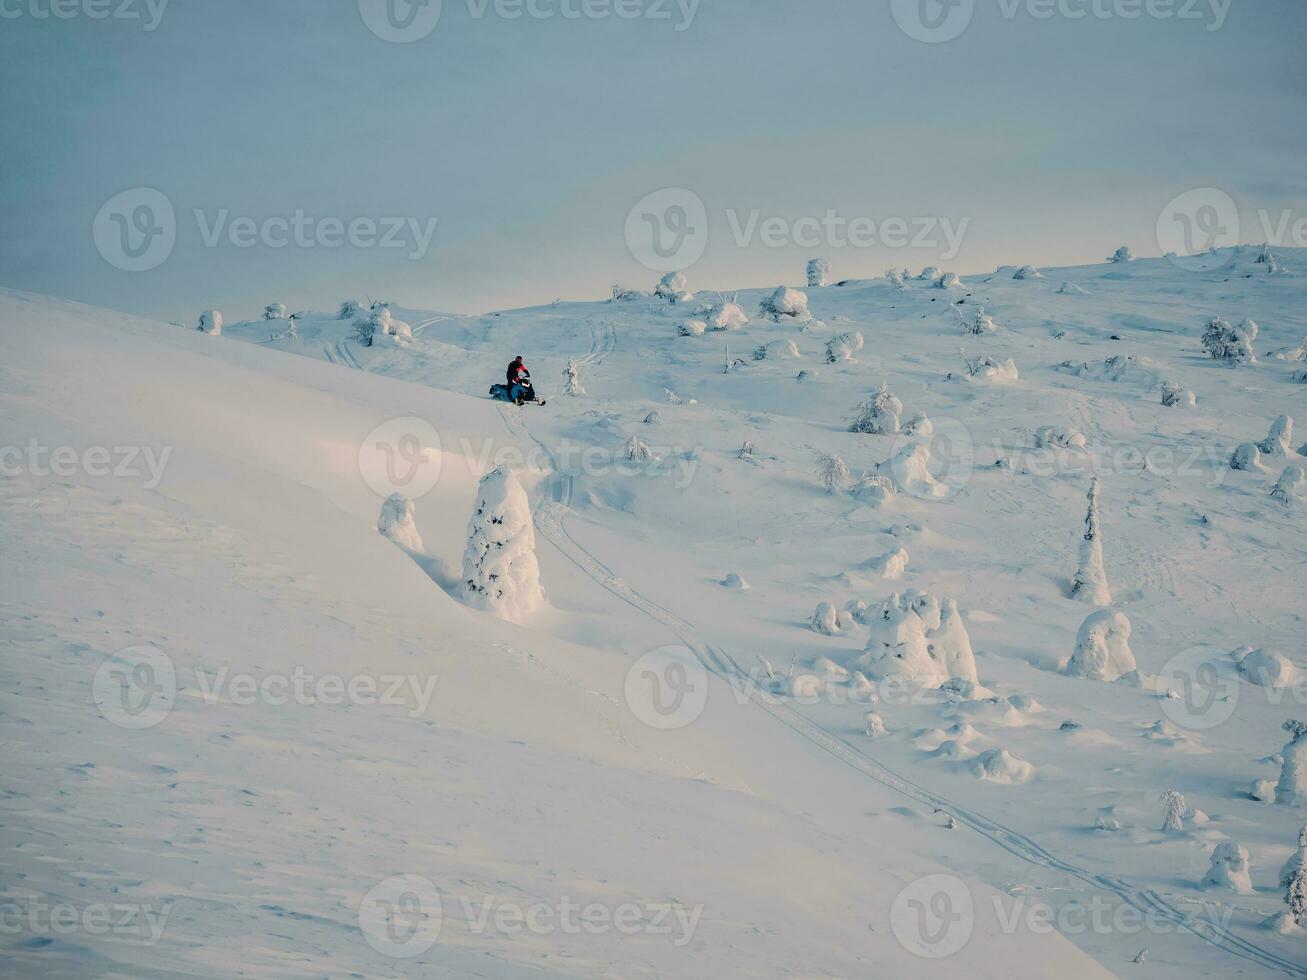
point(956, 766)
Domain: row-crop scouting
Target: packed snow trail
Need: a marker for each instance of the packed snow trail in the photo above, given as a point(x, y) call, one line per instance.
point(550, 521)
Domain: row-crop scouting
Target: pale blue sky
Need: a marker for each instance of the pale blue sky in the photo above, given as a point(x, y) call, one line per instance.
point(531, 139)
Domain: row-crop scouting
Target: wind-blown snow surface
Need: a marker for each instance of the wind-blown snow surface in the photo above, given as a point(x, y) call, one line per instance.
point(527, 778)
point(252, 830)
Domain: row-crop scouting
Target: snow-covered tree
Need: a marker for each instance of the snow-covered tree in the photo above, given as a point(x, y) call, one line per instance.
point(1027, 272)
point(1290, 486)
point(832, 473)
point(826, 620)
point(672, 287)
point(843, 347)
point(1174, 810)
point(1264, 256)
point(879, 414)
point(1230, 869)
point(210, 322)
point(985, 369)
point(1175, 396)
point(727, 315)
point(785, 303)
point(977, 324)
point(500, 572)
point(949, 280)
point(1291, 790)
point(350, 309)
point(1103, 648)
point(692, 328)
point(274, 311)
point(929, 274)
point(654, 418)
point(1279, 441)
point(397, 523)
point(1297, 860)
point(572, 378)
point(898, 278)
point(637, 451)
point(1090, 582)
point(909, 469)
point(1122, 254)
point(1233, 345)
point(819, 273)
point(1246, 456)
point(1055, 437)
point(874, 489)
point(366, 328)
point(918, 639)
point(1296, 897)
point(623, 295)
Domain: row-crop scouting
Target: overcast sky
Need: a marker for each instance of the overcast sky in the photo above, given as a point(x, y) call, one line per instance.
point(528, 141)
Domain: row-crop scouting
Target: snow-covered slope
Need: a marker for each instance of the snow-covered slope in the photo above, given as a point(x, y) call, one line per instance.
point(1199, 557)
point(189, 791)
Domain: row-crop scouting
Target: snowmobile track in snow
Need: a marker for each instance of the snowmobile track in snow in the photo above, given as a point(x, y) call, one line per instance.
point(551, 514)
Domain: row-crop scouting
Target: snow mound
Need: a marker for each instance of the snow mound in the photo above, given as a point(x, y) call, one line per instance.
point(1002, 767)
point(736, 582)
point(890, 565)
point(910, 471)
point(1103, 648)
point(1027, 272)
point(1265, 668)
point(692, 328)
point(396, 522)
point(727, 316)
point(1230, 869)
point(1118, 368)
point(1052, 437)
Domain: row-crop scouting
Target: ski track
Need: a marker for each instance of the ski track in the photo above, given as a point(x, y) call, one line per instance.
point(551, 514)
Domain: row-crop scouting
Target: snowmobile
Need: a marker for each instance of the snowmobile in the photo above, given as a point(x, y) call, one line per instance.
point(504, 394)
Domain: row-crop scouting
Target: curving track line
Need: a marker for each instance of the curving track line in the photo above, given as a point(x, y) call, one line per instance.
point(550, 521)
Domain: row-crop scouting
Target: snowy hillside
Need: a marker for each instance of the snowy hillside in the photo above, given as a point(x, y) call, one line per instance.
point(799, 700)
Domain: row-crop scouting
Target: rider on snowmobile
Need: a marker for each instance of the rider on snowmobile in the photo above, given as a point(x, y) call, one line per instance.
point(519, 382)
